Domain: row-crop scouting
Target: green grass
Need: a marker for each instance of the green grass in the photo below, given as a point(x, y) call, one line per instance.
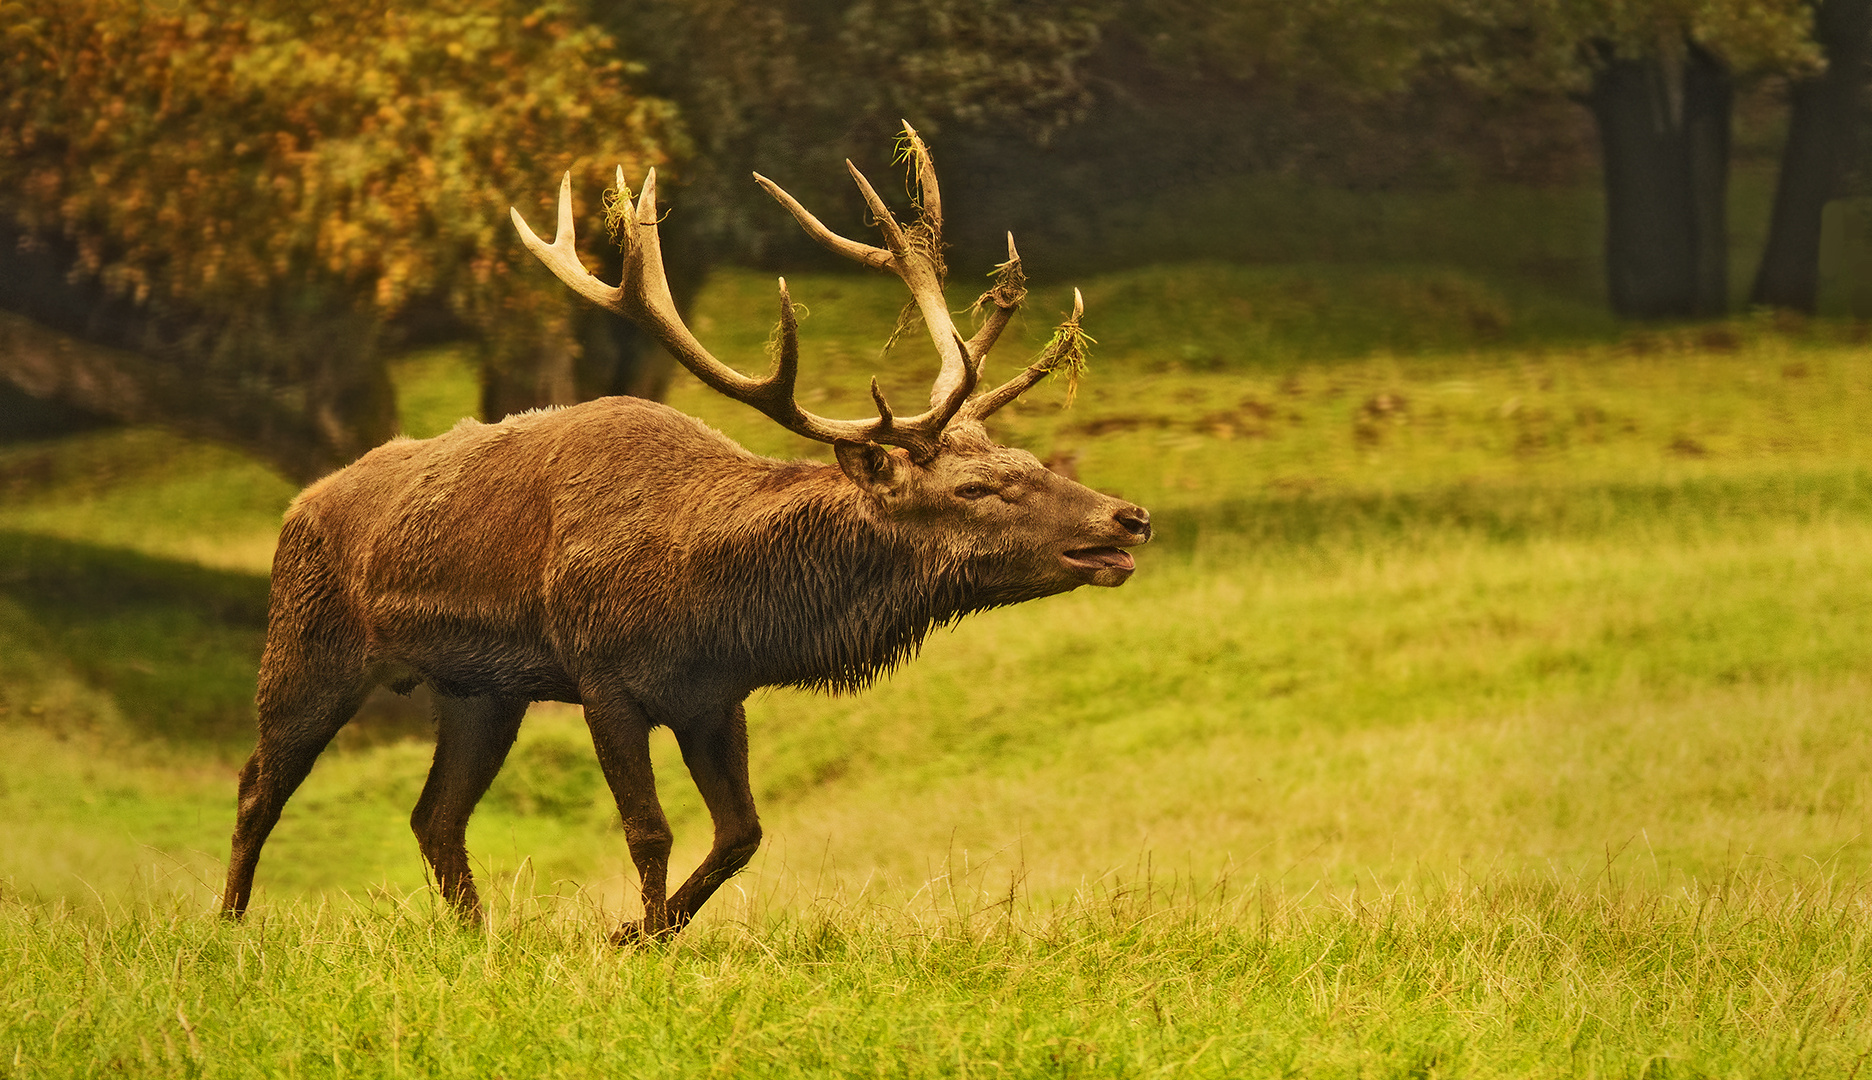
point(1742, 976)
point(1492, 703)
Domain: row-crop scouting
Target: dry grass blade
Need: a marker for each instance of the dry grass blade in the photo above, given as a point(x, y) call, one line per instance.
point(907, 318)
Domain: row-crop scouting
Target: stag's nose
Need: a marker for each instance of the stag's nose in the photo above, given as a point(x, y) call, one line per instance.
point(1135, 520)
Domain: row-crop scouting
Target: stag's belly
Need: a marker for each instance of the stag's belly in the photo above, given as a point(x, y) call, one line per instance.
point(464, 635)
point(465, 660)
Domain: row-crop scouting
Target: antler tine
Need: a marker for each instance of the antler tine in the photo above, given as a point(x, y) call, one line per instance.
point(985, 406)
point(883, 407)
point(851, 249)
point(561, 256)
point(952, 404)
point(929, 193)
point(646, 203)
point(886, 221)
point(786, 363)
point(919, 273)
point(1006, 295)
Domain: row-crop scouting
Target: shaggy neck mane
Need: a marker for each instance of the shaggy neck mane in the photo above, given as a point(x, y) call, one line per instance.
point(817, 591)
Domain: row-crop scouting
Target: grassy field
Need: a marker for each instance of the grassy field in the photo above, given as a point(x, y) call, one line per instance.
point(1734, 978)
point(1494, 702)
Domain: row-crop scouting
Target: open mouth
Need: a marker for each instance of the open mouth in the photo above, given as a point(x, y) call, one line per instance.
point(1099, 558)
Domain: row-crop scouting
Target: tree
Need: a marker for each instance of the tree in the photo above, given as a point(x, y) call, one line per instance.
point(1826, 112)
point(1664, 120)
point(218, 208)
point(794, 87)
point(1657, 76)
point(1662, 87)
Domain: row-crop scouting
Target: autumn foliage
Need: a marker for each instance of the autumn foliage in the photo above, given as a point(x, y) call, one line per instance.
point(218, 162)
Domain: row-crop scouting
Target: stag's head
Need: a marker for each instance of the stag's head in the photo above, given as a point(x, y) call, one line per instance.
point(936, 478)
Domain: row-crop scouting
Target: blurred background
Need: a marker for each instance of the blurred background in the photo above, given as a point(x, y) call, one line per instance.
point(1468, 350)
point(226, 216)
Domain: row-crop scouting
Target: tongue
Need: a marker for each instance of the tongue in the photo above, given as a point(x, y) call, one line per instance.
point(1102, 557)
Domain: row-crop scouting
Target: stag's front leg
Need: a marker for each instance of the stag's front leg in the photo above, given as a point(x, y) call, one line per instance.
point(620, 733)
point(717, 756)
point(473, 736)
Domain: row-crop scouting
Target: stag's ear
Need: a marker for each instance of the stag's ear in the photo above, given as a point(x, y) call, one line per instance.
point(871, 467)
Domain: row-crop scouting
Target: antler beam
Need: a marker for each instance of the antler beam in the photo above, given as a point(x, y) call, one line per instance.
point(914, 254)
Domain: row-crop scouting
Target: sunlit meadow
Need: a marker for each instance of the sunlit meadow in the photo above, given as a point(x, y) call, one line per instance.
point(1493, 702)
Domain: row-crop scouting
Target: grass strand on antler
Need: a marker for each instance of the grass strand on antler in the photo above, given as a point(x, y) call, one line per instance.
point(616, 203)
point(1008, 290)
point(924, 235)
point(1068, 349)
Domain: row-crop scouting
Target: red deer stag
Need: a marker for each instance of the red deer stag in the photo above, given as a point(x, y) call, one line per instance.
point(622, 556)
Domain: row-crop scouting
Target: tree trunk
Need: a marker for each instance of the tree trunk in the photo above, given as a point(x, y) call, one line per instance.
point(589, 352)
point(597, 355)
point(1823, 135)
point(26, 418)
point(528, 367)
point(324, 432)
point(615, 357)
point(302, 390)
point(1664, 132)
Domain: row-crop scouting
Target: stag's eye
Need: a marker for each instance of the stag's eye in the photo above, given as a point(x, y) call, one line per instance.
point(974, 491)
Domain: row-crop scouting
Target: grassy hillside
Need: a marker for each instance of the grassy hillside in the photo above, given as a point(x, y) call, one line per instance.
point(1493, 702)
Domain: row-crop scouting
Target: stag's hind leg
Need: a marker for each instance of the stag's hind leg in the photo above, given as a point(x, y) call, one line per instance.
point(312, 680)
point(280, 763)
point(717, 756)
point(473, 736)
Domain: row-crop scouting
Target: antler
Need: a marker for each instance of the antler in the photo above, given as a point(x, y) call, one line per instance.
point(913, 254)
point(1060, 352)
